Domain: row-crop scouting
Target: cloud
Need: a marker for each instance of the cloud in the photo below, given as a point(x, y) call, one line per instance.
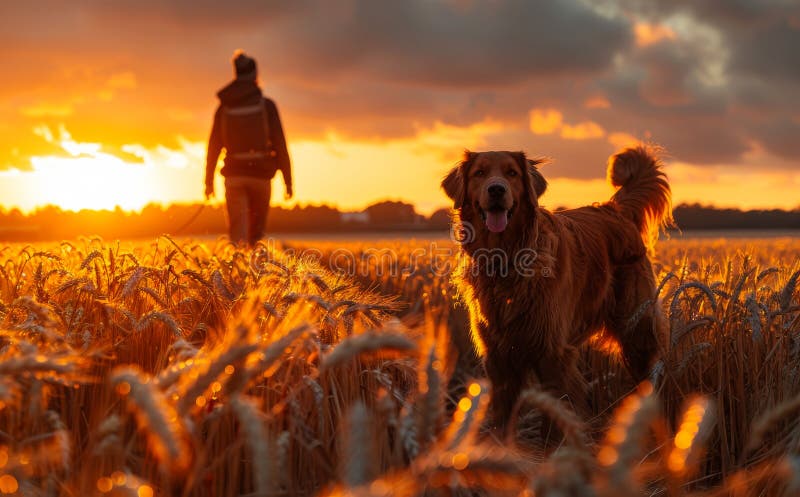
point(545, 121)
point(648, 34)
point(622, 140)
point(728, 75)
point(597, 102)
point(47, 110)
point(743, 188)
point(707, 80)
point(550, 121)
point(117, 81)
point(122, 80)
point(586, 130)
point(781, 137)
point(420, 42)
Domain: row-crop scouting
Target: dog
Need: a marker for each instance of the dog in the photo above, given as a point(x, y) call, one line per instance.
point(584, 271)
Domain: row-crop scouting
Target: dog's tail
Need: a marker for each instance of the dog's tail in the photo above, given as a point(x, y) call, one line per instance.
point(644, 194)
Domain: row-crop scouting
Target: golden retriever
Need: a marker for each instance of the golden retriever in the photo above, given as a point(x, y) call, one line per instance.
point(539, 283)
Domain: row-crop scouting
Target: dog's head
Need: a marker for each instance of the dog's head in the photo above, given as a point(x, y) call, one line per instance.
point(495, 185)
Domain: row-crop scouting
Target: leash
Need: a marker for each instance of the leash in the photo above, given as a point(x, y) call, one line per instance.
point(191, 219)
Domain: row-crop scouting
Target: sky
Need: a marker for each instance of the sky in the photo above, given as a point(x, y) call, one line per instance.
point(110, 103)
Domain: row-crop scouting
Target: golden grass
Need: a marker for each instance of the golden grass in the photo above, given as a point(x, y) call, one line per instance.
point(191, 369)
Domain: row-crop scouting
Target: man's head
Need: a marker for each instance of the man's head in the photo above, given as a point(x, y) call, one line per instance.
point(244, 67)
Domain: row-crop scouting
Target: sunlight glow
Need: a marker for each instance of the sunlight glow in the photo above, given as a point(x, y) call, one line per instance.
point(104, 484)
point(684, 441)
point(87, 175)
point(649, 34)
point(605, 343)
point(549, 121)
point(88, 178)
point(8, 484)
point(98, 181)
point(582, 131)
point(597, 102)
point(545, 121)
point(74, 175)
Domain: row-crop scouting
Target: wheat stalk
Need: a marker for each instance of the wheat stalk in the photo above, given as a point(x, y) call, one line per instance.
point(564, 417)
point(252, 424)
point(623, 442)
point(367, 342)
point(162, 316)
point(359, 454)
point(787, 410)
point(156, 417)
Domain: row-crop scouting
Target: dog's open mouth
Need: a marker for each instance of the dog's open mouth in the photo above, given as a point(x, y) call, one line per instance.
point(496, 218)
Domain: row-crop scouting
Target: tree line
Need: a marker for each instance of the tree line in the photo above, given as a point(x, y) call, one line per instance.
point(52, 223)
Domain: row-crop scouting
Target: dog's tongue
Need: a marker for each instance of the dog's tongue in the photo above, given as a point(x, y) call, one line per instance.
point(496, 221)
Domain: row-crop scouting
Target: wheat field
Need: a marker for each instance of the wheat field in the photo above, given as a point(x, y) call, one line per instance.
point(186, 368)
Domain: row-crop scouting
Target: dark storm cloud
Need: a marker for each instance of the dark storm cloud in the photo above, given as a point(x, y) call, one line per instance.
point(417, 41)
point(762, 35)
point(782, 137)
point(772, 53)
point(731, 76)
point(664, 90)
point(422, 42)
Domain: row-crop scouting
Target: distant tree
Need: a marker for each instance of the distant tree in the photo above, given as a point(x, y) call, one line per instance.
point(391, 213)
point(52, 223)
point(305, 218)
point(699, 217)
point(440, 218)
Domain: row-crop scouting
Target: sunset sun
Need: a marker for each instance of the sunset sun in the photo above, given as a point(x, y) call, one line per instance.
point(97, 181)
point(75, 175)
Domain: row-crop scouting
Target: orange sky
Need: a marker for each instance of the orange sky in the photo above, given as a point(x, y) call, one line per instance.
point(104, 105)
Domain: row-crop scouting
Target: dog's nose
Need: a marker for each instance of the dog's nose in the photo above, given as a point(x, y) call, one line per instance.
point(497, 191)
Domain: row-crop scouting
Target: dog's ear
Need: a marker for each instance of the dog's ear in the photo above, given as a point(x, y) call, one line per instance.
point(453, 183)
point(537, 180)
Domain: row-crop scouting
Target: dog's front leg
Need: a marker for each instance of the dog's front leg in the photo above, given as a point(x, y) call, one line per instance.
point(558, 372)
point(506, 387)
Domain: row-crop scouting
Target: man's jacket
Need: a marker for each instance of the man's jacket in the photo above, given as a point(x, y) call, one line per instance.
point(243, 94)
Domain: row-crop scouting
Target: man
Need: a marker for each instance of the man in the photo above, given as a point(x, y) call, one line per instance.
point(247, 125)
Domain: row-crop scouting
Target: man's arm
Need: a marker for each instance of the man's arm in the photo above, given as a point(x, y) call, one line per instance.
point(279, 146)
point(214, 149)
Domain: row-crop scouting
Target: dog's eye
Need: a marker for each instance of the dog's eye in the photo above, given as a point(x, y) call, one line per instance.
point(512, 173)
point(479, 172)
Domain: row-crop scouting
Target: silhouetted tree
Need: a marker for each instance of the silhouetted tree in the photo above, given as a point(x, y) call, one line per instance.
point(440, 218)
point(391, 213)
point(51, 223)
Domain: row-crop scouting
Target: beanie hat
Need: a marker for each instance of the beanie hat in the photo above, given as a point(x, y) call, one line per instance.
point(244, 66)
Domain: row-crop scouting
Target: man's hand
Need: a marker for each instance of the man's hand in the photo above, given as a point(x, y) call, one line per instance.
point(209, 191)
point(289, 192)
